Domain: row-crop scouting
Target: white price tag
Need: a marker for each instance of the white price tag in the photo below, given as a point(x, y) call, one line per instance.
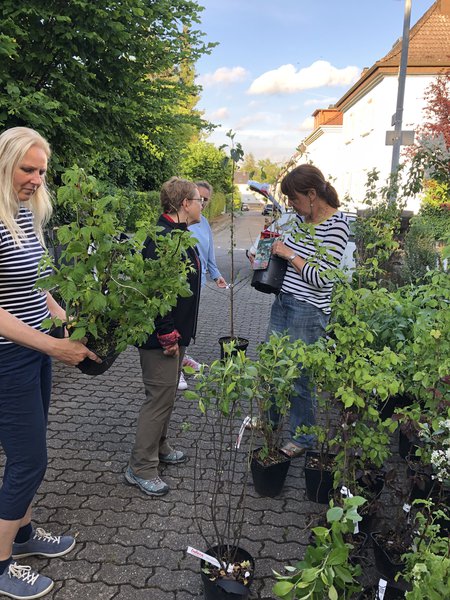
point(203, 556)
point(382, 583)
point(245, 422)
point(346, 492)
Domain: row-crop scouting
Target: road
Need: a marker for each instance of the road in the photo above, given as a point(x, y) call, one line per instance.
point(247, 228)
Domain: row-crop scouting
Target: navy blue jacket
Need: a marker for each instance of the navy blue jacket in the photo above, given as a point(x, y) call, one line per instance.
point(183, 316)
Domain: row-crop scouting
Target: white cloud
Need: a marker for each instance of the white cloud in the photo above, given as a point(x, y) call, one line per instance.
point(259, 117)
point(220, 113)
point(223, 76)
point(307, 124)
point(287, 80)
point(320, 101)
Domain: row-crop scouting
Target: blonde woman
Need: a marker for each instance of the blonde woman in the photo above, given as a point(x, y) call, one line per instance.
point(25, 363)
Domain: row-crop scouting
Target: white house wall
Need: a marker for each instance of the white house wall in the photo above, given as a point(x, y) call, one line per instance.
point(346, 154)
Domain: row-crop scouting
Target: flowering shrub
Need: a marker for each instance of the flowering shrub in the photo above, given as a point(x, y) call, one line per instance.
point(437, 443)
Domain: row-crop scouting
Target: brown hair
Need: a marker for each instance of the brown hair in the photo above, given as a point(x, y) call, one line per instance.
point(307, 177)
point(206, 185)
point(174, 191)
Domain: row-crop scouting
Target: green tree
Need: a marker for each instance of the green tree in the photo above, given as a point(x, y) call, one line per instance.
point(203, 160)
point(250, 166)
point(264, 170)
point(102, 81)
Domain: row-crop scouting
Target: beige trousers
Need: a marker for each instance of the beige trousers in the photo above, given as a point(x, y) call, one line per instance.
point(160, 374)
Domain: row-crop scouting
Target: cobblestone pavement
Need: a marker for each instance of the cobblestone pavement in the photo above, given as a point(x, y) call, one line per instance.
point(131, 546)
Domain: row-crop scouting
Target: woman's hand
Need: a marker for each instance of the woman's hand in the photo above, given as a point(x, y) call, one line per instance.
point(281, 250)
point(172, 350)
point(250, 255)
point(220, 282)
point(71, 352)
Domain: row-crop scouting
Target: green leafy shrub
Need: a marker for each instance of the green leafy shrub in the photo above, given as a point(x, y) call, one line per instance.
point(109, 290)
point(325, 571)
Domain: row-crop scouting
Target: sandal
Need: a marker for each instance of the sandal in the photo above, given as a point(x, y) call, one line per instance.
point(292, 450)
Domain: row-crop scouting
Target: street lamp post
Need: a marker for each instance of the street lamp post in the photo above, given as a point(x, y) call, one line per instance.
point(398, 117)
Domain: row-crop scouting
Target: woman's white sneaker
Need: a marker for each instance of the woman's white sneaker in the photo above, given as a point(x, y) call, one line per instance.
point(182, 385)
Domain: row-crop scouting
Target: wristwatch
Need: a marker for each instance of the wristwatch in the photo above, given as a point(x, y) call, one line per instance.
point(292, 257)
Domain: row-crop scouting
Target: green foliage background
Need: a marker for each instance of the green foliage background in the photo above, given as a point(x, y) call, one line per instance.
point(108, 83)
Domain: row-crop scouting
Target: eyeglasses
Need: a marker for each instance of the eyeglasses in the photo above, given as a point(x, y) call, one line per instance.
point(204, 199)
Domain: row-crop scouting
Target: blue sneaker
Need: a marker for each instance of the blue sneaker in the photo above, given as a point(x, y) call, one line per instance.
point(45, 544)
point(20, 582)
point(152, 487)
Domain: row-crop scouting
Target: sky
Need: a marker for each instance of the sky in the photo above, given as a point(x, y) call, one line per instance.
point(277, 61)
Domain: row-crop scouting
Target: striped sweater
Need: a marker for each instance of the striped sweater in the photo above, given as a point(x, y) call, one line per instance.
point(312, 285)
point(18, 274)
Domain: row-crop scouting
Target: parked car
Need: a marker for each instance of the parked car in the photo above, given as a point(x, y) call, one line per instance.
point(245, 206)
point(268, 209)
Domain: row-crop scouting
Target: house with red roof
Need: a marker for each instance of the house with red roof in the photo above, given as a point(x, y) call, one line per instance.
point(349, 138)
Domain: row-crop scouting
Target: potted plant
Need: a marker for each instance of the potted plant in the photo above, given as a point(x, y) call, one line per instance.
point(110, 292)
point(428, 561)
point(325, 571)
point(224, 391)
point(275, 371)
point(236, 154)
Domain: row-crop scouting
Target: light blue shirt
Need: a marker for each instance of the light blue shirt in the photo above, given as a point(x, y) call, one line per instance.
point(205, 245)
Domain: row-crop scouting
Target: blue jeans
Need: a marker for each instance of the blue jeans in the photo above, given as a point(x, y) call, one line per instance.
point(303, 321)
point(25, 385)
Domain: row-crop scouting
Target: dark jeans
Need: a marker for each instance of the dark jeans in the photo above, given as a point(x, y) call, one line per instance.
point(25, 386)
point(304, 321)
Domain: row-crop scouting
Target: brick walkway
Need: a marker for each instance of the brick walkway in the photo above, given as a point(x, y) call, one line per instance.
point(131, 546)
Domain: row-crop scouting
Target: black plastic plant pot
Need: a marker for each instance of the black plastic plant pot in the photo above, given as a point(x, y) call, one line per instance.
point(384, 563)
point(269, 479)
point(422, 484)
point(373, 482)
point(87, 366)
point(406, 447)
point(319, 481)
point(270, 280)
point(371, 593)
point(239, 344)
point(90, 367)
point(227, 589)
point(388, 407)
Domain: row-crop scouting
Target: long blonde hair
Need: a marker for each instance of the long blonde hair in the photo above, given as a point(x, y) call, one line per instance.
point(14, 144)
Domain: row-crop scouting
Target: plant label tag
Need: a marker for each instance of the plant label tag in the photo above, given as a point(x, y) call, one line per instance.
point(407, 508)
point(346, 492)
point(245, 422)
point(356, 528)
point(382, 583)
point(206, 557)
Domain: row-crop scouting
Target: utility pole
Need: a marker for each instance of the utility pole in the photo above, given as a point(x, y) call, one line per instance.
point(398, 117)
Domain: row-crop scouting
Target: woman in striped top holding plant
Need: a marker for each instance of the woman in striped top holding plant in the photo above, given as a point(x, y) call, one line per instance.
point(314, 245)
point(25, 364)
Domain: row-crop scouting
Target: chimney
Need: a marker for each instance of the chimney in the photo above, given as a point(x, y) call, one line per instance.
point(444, 7)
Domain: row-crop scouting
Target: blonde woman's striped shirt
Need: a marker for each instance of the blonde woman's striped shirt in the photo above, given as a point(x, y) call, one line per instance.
point(18, 274)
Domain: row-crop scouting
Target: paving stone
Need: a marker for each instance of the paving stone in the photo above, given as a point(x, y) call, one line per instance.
point(76, 590)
